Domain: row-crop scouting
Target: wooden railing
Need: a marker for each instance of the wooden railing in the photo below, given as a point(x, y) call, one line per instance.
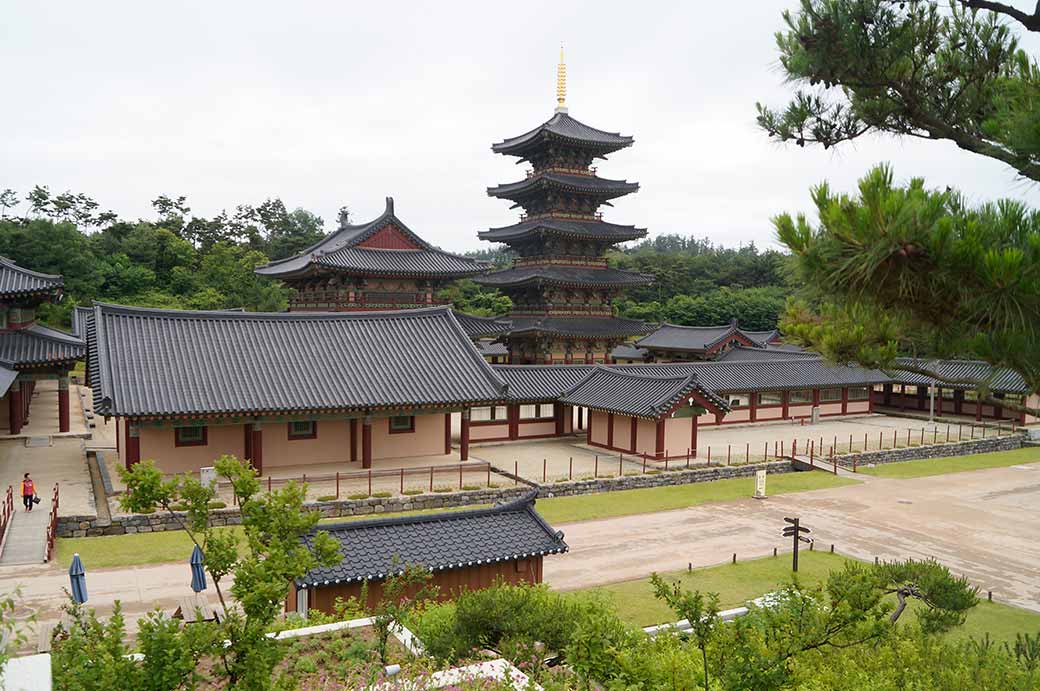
point(6, 512)
point(52, 525)
point(429, 474)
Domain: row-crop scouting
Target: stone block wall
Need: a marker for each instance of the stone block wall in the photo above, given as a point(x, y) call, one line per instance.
point(961, 448)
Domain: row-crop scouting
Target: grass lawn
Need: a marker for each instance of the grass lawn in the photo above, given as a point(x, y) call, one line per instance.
point(953, 464)
point(747, 580)
point(588, 507)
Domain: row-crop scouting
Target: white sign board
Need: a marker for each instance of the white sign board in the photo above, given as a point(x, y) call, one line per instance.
point(208, 476)
point(760, 484)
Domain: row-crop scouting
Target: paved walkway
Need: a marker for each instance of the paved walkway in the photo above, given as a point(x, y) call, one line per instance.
point(27, 536)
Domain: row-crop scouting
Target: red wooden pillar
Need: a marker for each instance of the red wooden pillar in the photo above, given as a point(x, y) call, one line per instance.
point(845, 400)
point(693, 435)
point(558, 418)
point(464, 436)
point(353, 440)
point(753, 400)
point(816, 398)
point(14, 398)
point(27, 391)
point(610, 430)
point(63, 403)
point(256, 447)
point(513, 420)
point(659, 442)
point(785, 405)
point(133, 444)
point(634, 434)
point(366, 443)
point(447, 433)
point(247, 441)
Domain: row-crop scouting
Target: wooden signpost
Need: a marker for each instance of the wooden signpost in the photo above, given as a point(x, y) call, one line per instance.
point(793, 530)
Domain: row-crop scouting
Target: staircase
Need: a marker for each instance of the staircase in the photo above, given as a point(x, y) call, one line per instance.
point(27, 536)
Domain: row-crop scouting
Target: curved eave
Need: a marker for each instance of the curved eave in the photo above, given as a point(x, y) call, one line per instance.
point(509, 234)
point(111, 411)
point(486, 280)
point(524, 148)
point(524, 188)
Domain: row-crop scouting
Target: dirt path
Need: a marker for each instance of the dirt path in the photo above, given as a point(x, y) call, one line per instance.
point(983, 524)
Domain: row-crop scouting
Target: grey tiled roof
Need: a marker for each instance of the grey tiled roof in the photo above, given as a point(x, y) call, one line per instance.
point(339, 251)
point(580, 327)
point(636, 393)
point(373, 550)
point(689, 338)
point(627, 351)
point(17, 281)
point(590, 184)
point(563, 226)
point(562, 126)
point(7, 376)
point(489, 348)
point(79, 316)
point(765, 375)
point(563, 275)
point(541, 382)
point(151, 362)
point(761, 337)
point(548, 382)
point(38, 345)
point(782, 352)
point(1002, 381)
point(478, 327)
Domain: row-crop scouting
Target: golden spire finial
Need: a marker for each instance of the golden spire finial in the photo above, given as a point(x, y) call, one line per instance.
point(561, 84)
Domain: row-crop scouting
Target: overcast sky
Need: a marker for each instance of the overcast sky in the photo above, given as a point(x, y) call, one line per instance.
point(332, 103)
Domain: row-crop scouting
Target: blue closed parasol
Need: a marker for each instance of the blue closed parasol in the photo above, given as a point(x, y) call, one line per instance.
point(198, 571)
point(78, 580)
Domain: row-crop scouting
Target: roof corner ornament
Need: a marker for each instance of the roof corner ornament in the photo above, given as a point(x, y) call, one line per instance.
point(389, 205)
point(561, 84)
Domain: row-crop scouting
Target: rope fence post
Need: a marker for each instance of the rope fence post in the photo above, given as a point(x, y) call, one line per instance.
point(370, 482)
point(570, 468)
point(402, 480)
point(545, 470)
point(595, 472)
point(488, 474)
point(337, 485)
point(729, 453)
point(431, 478)
point(747, 453)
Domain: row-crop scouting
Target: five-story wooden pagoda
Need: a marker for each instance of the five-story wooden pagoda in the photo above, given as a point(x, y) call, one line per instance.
point(560, 284)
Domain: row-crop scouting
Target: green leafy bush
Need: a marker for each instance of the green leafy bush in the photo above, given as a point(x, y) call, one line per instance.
point(504, 612)
point(382, 495)
point(361, 495)
point(327, 497)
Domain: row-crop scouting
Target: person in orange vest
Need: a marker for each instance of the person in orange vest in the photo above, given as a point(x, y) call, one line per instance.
point(28, 492)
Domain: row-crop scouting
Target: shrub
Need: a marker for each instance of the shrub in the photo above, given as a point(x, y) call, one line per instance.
point(442, 489)
point(470, 488)
point(412, 491)
point(327, 497)
point(503, 612)
point(362, 495)
point(382, 495)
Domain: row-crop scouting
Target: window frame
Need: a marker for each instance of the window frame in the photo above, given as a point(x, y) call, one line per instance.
point(539, 412)
point(827, 393)
point(203, 439)
point(779, 402)
point(793, 400)
point(400, 430)
point(296, 436)
point(866, 390)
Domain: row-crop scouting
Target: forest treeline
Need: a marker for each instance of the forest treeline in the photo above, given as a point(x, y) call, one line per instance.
point(179, 259)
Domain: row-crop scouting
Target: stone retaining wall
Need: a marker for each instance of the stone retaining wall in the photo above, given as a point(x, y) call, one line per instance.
point(961, 448)
point(89, 526)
